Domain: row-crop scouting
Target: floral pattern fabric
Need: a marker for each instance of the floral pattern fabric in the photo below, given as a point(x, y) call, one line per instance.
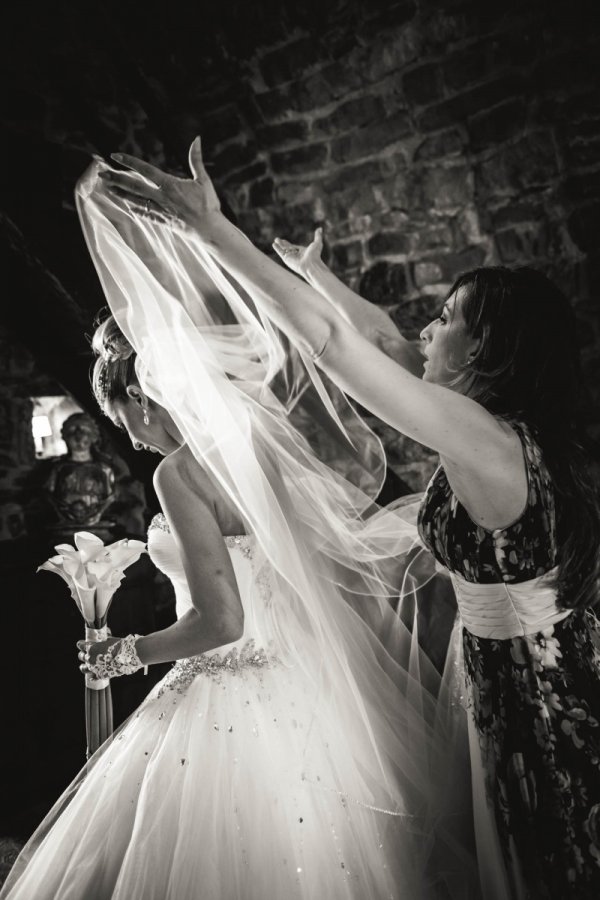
point(534, 700)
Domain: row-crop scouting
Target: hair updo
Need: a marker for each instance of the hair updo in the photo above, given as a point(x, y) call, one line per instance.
point(114, 368)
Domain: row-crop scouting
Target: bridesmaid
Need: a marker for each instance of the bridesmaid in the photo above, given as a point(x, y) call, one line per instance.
point(512, 513)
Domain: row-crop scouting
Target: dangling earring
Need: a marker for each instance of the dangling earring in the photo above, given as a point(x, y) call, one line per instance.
point(146, 419)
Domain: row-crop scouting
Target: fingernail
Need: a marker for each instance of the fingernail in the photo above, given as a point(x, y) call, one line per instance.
point(117, 156)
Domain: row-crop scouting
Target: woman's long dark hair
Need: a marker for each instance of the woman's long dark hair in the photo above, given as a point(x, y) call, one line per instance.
point(527, 368)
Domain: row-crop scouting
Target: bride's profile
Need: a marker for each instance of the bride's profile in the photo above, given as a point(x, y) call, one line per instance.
point(294, 749)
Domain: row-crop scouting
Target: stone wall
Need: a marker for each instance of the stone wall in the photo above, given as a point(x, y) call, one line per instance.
point(427, 136)
point(427, 141)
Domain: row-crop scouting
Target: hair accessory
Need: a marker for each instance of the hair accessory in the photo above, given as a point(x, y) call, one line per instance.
point(102, 383)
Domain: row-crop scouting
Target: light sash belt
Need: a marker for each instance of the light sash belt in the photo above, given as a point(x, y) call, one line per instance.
point(501, 611)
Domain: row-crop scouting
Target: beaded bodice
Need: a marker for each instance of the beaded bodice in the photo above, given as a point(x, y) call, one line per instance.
point(255, 583)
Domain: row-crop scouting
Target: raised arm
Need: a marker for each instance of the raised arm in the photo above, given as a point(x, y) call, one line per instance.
point(372, 322)
point(458, 428)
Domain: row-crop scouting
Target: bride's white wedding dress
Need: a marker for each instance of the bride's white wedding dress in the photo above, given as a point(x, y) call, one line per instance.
point(234, 779)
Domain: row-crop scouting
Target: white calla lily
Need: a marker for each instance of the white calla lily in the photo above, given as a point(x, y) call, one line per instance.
point(93, 572)
point(88, 545)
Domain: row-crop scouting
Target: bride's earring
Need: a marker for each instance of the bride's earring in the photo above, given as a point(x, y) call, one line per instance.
point(146, 418)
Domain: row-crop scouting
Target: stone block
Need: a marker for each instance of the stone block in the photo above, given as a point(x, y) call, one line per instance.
point(296, 222)
point(426, 272)
point(358, 201)
point(384, 283)
point(308, 158)
point(396, 219)
point(261, 192)
point(349, 255)
point(389, 243)
point(433, 236)
point(492, 126)
point(530, 162)
point(291, 132)
point(437, 146)
point(234, 156)
point(515, 211)
point(243, 176)
point(355, 113)
point(291, 61)
point(456, 109)
point(445, 267)
point(447, 187)
point(522, 243)
point(422, 84)
point(346, 178)
point(371, 140)
point(295, 192)
point(274, 105)
point(341, 78)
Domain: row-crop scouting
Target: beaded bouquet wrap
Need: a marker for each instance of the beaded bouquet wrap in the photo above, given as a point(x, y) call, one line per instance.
point(93, 573)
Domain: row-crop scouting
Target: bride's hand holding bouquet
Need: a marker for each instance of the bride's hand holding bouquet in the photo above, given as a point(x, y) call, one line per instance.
point(93, 573)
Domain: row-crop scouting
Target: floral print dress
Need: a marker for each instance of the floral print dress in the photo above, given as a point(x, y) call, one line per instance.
point(533, 705)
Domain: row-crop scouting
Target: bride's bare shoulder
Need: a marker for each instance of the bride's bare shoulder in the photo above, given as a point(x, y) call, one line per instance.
point(181, 468)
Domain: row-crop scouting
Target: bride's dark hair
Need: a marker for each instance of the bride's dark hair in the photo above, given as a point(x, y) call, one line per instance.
point(527, 368)
point(114, 367)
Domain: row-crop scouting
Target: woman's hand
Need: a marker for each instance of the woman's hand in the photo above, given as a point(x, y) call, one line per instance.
point(110, 658)
point(299, 258)
point(89, 651)
point(152, 193)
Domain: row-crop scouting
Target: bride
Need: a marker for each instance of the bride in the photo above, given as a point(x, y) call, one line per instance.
point(286, 753)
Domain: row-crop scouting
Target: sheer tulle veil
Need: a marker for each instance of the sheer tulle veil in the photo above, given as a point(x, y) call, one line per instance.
point(248, 405)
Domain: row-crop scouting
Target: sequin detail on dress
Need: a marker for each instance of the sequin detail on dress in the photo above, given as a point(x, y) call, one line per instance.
point(243, 541)
point(215, 666)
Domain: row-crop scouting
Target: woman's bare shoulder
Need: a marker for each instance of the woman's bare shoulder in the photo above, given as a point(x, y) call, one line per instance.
point(182, 468)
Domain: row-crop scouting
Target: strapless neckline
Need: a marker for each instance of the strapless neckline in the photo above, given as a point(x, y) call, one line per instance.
point(242, 541)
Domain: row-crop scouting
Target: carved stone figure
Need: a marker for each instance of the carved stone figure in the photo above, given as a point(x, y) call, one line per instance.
point(81, 484)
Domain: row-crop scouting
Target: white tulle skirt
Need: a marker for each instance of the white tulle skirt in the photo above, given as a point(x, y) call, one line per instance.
point(224, 784)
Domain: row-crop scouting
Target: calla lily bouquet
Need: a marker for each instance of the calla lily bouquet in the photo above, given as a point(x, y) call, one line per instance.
point(93, 572)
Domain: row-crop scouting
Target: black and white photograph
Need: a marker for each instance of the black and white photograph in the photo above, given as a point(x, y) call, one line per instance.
point(300, 450)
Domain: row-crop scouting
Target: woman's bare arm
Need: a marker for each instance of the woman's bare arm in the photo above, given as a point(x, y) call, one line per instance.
point(462, 431)
point(217, 616)
point(374, 323)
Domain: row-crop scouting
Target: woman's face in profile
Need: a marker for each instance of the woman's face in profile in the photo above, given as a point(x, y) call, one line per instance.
point(448, 345)
point(129, 416)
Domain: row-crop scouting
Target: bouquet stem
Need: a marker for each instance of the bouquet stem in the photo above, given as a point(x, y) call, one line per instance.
point(98, 698)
